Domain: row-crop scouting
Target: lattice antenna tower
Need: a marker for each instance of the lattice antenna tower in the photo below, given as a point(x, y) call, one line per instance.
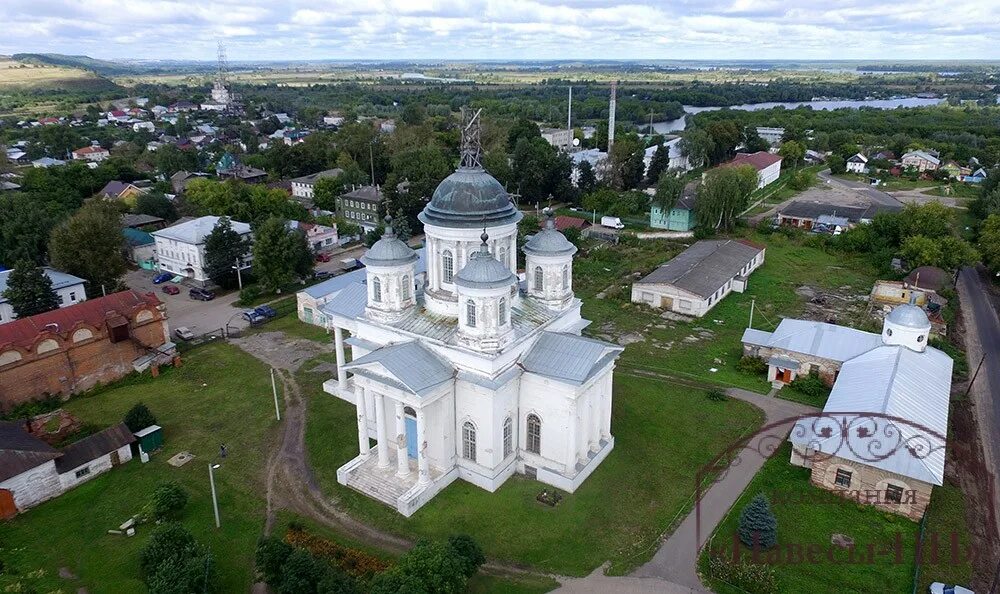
point(223, 67)
point(472, 147)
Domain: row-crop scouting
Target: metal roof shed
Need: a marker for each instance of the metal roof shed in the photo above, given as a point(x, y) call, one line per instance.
point(150, 439)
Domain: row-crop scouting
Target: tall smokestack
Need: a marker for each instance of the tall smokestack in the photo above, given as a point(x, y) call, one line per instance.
point(569, 110)
point(611, 116)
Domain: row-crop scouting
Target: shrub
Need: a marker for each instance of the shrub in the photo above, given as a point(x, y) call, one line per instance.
point(751, 365)
point(193, 573)
point(811, 385)
point(748, 577)
point(352, 561)
point(168, 501)
point(758, 526)
point(270, 557)
point(469, 551)
point(168, 543)
point(249, 295)
point(717, 395)
point(139, 417)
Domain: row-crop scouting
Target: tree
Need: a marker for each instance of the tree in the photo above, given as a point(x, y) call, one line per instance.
point(669, 189)
point(270, 558)
point(90, 244)
point(224, 247)
point(758, 526)
point(168, 501)
point(139, 417)
point(723, 195)
point(626, 163)
point(752, 142)
point(280, 255)
point(838, 164)
point(932, 220)
point(697, 146)
point(430, 567)
point(586, 178)
point(155, 204)
point(300, 573)
point(170, 541)
point(792, 153)
point(956, 252)
point(658, 164)
point(469, 551)
point(522, 128)
point(29, 290)
point(989, 242)
point(25, 228)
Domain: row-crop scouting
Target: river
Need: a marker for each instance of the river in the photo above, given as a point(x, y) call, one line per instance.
point(679, 124)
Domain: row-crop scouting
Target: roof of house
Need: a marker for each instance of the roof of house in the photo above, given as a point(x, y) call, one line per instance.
point(817, 339)
point(908, 392)
point(20, 451)
point(760, 160)
point(87, 150)
point(314, 177)
point(114, 188)
point(24, 332)
point(90, 448)
point(568, 357)
point(923, 155)
point(807, 209)
point(929, 277)
point(705, 266)
point(60, 280)
point(139, 220)
point(350, 301)
point(858, 158)
point(409, 365)
point(194, 231)
point(688, 196)
point(135, 237)
point(368, 193)
point(564, 222)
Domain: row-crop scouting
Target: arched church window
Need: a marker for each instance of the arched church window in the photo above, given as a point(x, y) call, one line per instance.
point(376, 289)
point(503, 257)
point(405, 287)
point(469, 441)
point(565, 277)
point(470, 313)
point(508, 437)
point(534, 434)
point(538, 278)
point(502, 312)
point(447, 266)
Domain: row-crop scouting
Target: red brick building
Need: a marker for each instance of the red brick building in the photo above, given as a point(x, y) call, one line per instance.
point(72, 349)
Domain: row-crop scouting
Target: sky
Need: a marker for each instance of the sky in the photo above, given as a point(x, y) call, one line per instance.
point(504, 29)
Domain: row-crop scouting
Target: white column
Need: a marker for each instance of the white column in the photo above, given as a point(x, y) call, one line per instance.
point(606, 408)
point(338, 334)
point(423, 467)
point(363, 447)
point(402, 463)
point(571, 441)
point(383, 438)
point(584, 404)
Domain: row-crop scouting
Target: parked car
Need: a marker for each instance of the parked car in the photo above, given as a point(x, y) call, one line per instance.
point(939, 588)
point(162, 278)
point(612, 223)
point(171, 289)
point(322, 274)
point(183, 333)
point(349, 264)
point(322, 257)
point(253, 317)
point(267, 311)
point(201, 294)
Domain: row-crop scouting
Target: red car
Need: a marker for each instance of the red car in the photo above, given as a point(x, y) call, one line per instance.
point(322, 257)
point(171, 289)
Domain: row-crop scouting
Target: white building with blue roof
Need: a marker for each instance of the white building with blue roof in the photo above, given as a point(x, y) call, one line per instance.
point(459, 370)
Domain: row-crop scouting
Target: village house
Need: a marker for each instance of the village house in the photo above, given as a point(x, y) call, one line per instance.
point(920, 160)
point(180, 180)
point(118, 190)
point(561, 138)
point(768, 165)
point(698, 278)
point(229, 167)
point(680, 217)
point(677, 159)
point(321, 238)
point(32, 471)
point(180, 248)
point(360, 206)
point(891, 387)
point(595, 157)
point(69, 289)
point(45, 162)
point(303, 187)
point(93, 153)
point(770, 135)
point(806, 214)
point(858, 163)
point(72, 349)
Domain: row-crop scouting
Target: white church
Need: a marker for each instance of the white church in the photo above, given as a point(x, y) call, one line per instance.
point(467, 371)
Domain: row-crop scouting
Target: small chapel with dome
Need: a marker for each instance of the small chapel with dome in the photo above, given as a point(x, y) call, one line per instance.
point(463, 368)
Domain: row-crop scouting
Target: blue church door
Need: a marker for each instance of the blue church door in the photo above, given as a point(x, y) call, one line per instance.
point(411, 433)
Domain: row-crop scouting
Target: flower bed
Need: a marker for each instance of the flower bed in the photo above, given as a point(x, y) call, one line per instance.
point(354, 562)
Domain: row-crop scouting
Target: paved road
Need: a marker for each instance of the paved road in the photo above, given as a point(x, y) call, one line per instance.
point(876, 196)
point(980, 313)
point(677, 558)
point(199, 316)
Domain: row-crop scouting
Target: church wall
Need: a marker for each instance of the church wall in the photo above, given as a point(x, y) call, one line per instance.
point(554, 403)
point(439, 417)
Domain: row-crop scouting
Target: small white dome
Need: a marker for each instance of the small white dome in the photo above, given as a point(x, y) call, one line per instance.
point(909, 316)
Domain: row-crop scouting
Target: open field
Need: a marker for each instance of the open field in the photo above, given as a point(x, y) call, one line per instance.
point(20, 76)
point(885, 543)
point(617, 514)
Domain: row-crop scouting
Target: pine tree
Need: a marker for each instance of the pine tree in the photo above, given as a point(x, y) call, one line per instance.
point(29, 290)
point(658, 164)
point(758, 526)
point(223, 247)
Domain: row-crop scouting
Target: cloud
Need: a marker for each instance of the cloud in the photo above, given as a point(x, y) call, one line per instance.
point(503, 29)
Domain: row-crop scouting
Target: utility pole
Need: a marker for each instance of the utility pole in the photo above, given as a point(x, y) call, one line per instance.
point(371, 159)
point(569, 111)
point(750, 323)
point(215, 501)
point(239, 276)
point(975, 375)
point(274, 388)
point(611, 115)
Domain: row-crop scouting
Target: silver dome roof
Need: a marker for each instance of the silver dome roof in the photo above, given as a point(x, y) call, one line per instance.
point(909, 316)
point(549, 241)
point(483, 271)
point(389, 250)
point(470, 197)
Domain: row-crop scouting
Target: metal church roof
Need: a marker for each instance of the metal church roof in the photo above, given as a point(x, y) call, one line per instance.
point(568, 357)
point(410, 364)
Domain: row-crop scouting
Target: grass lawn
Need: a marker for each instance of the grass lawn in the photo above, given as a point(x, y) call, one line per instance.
point(200, 405)
point(693, 349)
point(812, 523)
point(619, 512)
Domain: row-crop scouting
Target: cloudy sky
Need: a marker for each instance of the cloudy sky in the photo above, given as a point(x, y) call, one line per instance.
point(504, 29)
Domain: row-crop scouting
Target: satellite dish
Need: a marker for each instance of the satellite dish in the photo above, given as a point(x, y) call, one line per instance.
point(576, 142)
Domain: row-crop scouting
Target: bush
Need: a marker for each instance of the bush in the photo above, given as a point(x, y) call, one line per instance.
point(270, 557)
point(194, 573)
point(352, 561)
point(139, 417)
point(758, 526)
point(249, 295)
point(811, 385)
point(745, 576)
point(717, 395)
point(469, 551)
point(168, 501)
point(751, 365)
point(168, 543)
